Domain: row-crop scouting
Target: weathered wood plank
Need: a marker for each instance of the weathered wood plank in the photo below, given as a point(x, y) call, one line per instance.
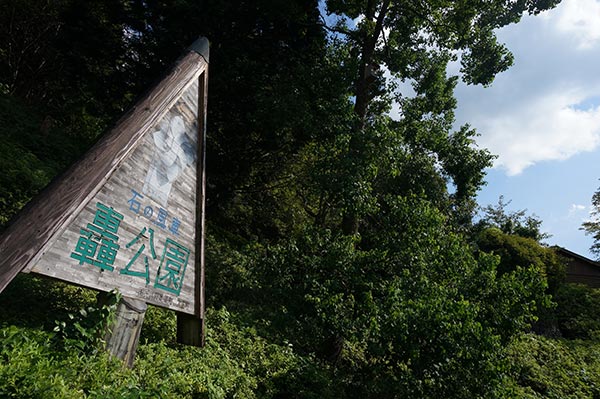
point(31, 232)
point(124, 334)
point(158, 177)
point(201, 196)
point(190, 330)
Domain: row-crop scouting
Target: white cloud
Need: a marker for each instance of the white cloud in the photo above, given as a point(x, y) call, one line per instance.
point(547, 107)
point(545, 129)
point(580, 19)
point(576, 209)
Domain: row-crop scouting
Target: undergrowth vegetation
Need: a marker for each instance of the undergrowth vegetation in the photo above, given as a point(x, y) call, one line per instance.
point(236, 362)
point(39, 361)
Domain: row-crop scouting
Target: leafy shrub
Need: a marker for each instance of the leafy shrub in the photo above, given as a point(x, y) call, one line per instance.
point(578, 311)
point(516, 251)
point(160, 325)
point(552, 369)
point(28, 366)
point(235, 363)
point(409, 312)
point(33, 301)
point(85, 330)
point(30, 155)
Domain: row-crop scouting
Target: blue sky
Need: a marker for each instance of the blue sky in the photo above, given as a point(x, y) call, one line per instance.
point(542, 119)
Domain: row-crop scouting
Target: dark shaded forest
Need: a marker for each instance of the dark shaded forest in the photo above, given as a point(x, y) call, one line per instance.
point(343, 255)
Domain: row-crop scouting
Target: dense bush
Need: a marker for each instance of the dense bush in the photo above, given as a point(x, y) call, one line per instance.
point(515, 250)
point(553, 369)
point(409, 313)
point(578, 311)
point(31, 301)
point(235, 363)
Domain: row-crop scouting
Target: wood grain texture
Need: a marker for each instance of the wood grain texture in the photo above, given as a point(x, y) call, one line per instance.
point(201, 195)
point(142, 239)
point(42, 221)
point(124, 333)
point(190, 329)
point(159, 175)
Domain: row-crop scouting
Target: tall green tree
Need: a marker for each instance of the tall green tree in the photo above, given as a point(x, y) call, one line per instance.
point(66, 71)
point(511, 222)
point(415, 41)
point(592, 226)
point(416, 315)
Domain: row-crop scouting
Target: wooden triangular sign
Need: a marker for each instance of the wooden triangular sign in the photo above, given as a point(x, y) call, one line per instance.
point(130, 214)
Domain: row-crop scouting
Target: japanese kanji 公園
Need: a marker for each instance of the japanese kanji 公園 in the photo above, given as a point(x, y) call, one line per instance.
point(98, 246)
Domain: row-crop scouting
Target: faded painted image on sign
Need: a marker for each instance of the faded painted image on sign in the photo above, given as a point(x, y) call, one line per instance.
point(138, 232)
point(174, 150)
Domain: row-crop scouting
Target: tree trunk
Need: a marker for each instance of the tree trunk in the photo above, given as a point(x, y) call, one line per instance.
point(350, 221)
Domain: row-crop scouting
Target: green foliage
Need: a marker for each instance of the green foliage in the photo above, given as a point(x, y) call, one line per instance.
point(578, 311)
point(395, 312)
point(592, 226)
point(85, 330)
point(553, 369)
point(333, 238)
point(36, 302)
point(160, 325)
point(514, 238)
point(29, 157)
point(515, 251)
point(515, 223)
point(416, 42)
point(235, 363)
point(28, 368)
point(277, 368)
point(23, 176)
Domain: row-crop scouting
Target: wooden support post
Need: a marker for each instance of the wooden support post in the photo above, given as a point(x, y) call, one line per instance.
point(124, 334)
point(190, 330)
